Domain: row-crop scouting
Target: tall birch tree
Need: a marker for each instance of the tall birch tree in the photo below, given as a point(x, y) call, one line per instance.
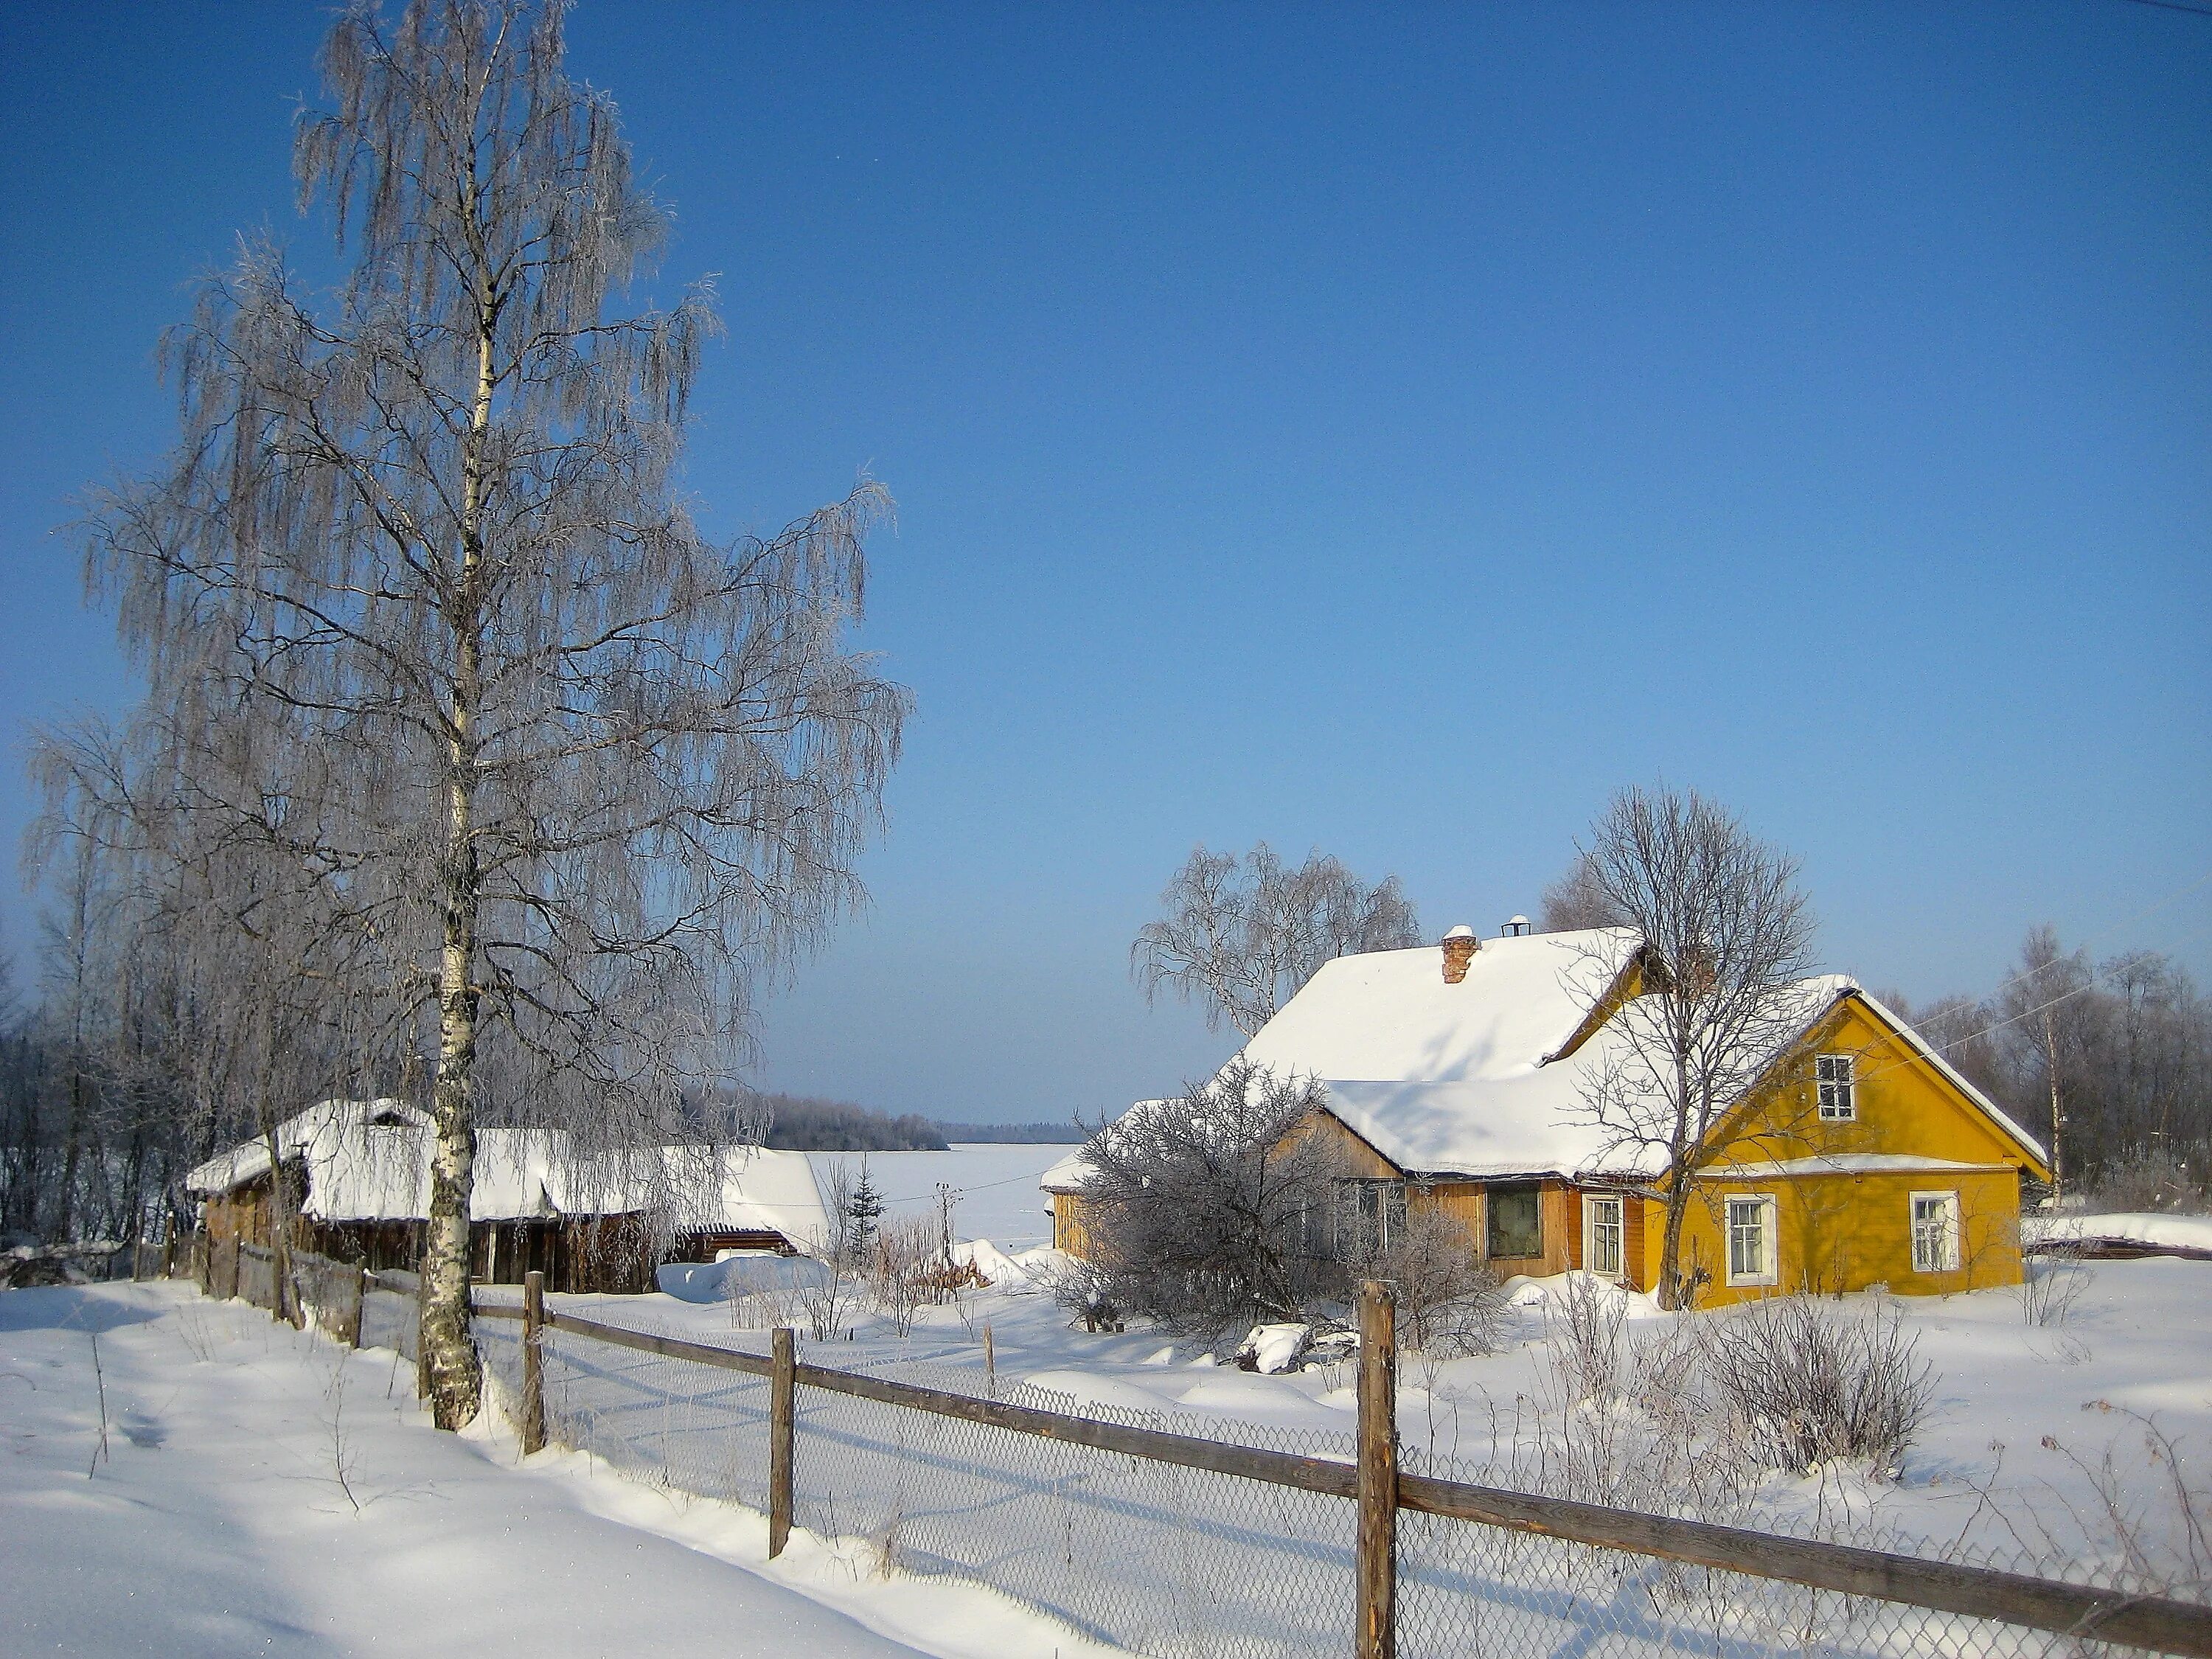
point(580, 773)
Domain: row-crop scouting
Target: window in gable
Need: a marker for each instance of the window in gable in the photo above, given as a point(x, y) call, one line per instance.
point(1838, 1080)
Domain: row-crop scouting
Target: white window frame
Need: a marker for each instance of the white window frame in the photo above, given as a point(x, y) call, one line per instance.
point(1770, 1245)
point(1946, 1256)
point(1594, 1204)
point(1839, 1092)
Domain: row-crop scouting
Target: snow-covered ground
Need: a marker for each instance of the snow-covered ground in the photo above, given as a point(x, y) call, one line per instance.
point(2029, 1421)
point(994, 1186)
point(264, 1492)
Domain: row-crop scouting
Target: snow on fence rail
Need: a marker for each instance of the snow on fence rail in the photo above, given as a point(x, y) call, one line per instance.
point(1165, 1534)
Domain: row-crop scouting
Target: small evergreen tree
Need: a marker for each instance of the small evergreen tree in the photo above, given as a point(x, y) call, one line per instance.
point(863, 1216)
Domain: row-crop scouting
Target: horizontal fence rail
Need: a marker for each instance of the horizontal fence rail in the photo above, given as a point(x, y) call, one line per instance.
point(2076, 1610)
point(1977, 1609)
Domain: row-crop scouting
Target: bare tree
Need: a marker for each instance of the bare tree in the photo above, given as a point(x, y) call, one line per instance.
point(1243, 935)
point(1578, 899)
point(2046, 1003)
point(579, 774)
point(1727, 934)
point(1211, 1211)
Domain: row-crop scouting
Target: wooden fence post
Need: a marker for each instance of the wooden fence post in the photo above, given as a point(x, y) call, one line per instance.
point(990, 1363)
point(783, 1398)
point(533, 1372)
point(1377, 1635)
point(360, 1278)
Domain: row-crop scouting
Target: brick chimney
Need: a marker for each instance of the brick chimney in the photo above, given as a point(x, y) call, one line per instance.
point(1460, 946)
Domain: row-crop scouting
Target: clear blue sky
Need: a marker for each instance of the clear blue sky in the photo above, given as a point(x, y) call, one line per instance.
point(1381, 429)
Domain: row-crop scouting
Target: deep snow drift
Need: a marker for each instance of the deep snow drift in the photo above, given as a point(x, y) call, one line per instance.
point(264, 1492)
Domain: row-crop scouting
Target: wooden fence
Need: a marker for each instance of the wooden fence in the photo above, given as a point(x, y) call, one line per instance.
point(1373, 1482)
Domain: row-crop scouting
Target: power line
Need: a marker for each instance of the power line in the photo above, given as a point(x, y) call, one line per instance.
point(2173, 5)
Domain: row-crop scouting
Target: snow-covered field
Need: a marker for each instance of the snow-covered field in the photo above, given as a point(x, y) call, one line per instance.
point(995, 1186)
point(264, 1492)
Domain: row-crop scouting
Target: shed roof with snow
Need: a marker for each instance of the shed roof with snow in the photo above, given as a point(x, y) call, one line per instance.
point(369, 1160)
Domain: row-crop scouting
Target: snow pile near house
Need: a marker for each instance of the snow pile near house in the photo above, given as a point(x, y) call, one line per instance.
point(733, 1273)
point(2180, 1231)
point(1027, 1270)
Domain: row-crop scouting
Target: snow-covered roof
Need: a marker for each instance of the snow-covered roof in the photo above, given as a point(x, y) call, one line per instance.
point(1071, 1173)
point(369, 1160)
point(1390, 1016)
point(1474, 1077)
point(747, 1189)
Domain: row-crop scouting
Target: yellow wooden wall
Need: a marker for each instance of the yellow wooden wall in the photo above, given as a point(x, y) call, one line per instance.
point(1846, 1229)
point(1838, 1228)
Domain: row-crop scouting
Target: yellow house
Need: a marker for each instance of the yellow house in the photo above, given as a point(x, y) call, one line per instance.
point(1485, 1078)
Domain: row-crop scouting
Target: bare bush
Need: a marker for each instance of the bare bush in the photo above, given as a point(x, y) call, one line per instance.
point(827, 1300)
point(1086, 1290)
point(1807, 1382)
point(2147, 1179)
point(1449, 1304)
point(906, 1267)
point(1209, 1213)
point(2049, 1288)
point(1623, 1416)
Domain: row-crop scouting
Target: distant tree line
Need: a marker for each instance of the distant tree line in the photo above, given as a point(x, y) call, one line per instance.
point(1040, 1134)
point(2109, 1063)
point(807, 1123)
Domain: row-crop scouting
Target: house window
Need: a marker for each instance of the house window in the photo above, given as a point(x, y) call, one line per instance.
point(1369, 1217)
point(1839, 1086)
point(1750, 1241)
point(1603, 1236)
point(1935, 1232)
point(1517, 1224)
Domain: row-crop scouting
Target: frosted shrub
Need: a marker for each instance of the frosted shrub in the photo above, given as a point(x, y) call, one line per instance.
point(1807, 1382)
point(1449, 1304)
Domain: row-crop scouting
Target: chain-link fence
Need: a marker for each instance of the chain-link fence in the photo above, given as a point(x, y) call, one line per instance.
point(1161, 1558)
point(1187, 1563)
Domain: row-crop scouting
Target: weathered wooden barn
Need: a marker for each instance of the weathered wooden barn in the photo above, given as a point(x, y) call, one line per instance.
point(356, 1175)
